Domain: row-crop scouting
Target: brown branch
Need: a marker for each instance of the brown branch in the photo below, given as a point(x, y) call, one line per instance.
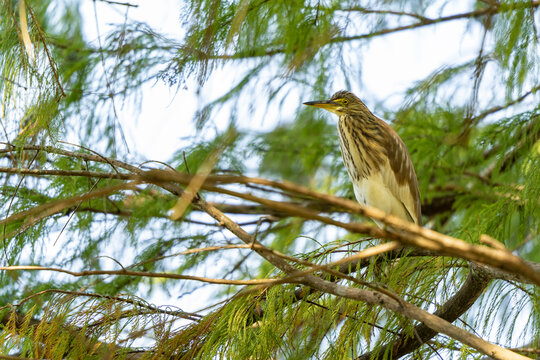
point(489, 10)
point(141, 304)
point(81, 173)
point(497, 108)
point(38, 213)
point(369, 296)
point(199, 178)
point(491, 272)
point(141, 274)
point(527, 350)
point(384, 12)
point(328, 268)
point(77, 155)
point(397, 229)
point(119, 3)
point(495, 273)
point(432, 207)
point(430, 320)
point(475, 284)
point(439, 204)
point(529, 138)
point(352, 265)
point(13, 357)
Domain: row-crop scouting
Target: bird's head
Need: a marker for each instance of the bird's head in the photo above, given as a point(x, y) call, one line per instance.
point(341, 103)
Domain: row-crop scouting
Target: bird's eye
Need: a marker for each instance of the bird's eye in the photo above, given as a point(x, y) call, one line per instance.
point(345, 102)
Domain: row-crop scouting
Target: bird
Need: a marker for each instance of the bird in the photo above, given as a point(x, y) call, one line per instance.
point(376, 158)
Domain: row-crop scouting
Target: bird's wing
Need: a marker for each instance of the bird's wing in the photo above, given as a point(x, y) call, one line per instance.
point(399, 176)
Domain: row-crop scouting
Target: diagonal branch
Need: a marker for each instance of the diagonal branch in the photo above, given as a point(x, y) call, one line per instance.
point(369, 296)
point(489, 10)
point(475, 284)
point(32, 216)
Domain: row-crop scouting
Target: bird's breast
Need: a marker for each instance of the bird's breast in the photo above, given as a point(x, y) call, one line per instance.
point(361, 152)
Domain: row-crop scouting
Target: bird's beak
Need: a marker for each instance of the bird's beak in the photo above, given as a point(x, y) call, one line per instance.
point(327, 104)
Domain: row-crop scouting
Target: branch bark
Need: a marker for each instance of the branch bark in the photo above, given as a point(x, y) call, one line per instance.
point(369, 296)
point(396, 229)
point(475, 284)
point(139, 274)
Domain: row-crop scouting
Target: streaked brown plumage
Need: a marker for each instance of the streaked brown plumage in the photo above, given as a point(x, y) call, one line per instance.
point(376, 158)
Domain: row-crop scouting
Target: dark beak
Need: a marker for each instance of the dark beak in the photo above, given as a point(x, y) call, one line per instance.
point(326, 104)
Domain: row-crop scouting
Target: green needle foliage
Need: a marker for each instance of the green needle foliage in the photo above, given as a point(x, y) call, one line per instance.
point(93, 265)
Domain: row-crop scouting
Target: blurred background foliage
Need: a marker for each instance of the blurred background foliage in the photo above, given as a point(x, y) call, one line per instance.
point(472, 128)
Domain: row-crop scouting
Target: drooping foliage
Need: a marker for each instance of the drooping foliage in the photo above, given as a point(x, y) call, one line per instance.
point(124, 280)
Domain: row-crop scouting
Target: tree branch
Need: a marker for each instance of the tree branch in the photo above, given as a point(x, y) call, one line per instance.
point(494, 9)
point(396, 229)
point(369, 296)
point(141, 274)
point(475, 284)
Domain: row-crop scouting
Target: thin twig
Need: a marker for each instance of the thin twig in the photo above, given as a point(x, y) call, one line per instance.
point(119, 3)
point(141, 274)
point(53, 67)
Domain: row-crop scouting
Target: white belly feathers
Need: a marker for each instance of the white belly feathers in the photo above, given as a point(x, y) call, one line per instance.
point(372, 191)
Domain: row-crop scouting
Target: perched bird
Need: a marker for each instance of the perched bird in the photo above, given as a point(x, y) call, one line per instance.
point(376, 158)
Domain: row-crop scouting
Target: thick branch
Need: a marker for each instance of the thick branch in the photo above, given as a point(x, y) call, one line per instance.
point(397, 229)
point(474, 286)
point(430, 320)
point(371, 297)
point(434, 206)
